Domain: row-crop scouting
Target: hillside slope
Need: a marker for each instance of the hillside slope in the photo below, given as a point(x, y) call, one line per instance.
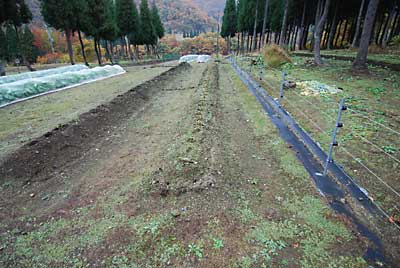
point(177, 15)
point(214, 8)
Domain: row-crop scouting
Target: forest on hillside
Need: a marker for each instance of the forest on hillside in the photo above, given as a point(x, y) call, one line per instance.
point(177, 15)
point(313, 25)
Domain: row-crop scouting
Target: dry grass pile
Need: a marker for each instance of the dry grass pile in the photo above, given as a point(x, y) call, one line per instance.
point(274, 56)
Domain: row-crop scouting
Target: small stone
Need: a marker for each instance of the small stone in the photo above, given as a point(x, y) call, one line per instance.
point(32, 195)
point(343, 200)
point(175, 213)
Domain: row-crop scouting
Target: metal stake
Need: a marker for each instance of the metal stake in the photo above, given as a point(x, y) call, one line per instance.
point(334, 143)
point(284, 74)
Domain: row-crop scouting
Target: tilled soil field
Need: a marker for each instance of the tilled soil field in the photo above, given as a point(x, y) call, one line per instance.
point(182, 171)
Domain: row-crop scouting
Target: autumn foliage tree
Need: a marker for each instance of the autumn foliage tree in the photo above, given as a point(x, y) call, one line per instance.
point(64, 15)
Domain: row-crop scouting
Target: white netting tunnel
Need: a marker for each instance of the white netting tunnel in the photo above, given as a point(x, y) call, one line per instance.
point(22, 86)
point(195, 58)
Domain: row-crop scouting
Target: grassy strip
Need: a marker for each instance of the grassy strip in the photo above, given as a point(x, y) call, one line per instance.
point(306, 228)
point(375, 96)
point(380, 57)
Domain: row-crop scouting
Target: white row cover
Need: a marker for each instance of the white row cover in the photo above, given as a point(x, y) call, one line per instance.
point(195, 58)
point(27, 88)
point(28, 75)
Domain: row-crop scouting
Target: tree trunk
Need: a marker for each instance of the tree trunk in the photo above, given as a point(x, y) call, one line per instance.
point(68, 34)
point(132, 54)
point(378, 28)
point(337, 36)
point(100, 53)
point(360, 62)
point(288, 36)
point(395, 26)
point(296, 36)
point(358, 24)
point(352, 30)
point(127, 48)
point(110, 56)
point(346, 25)
point(302, 26)
point(238, 44)
point(305, 37)
point(248, 43)
point(242, 42)
point(317, 19)
point(82, 48)
point(255, 27)
point(264, 28)
point(2, 68)
point(96, 48)
point(389, 29)
point(318, 33)
point(384, 30)
point(325, 35)
point(136, 49)
point(284, 24)
point(123, 47)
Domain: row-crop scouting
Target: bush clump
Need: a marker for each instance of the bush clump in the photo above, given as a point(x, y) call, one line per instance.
point(274, 56)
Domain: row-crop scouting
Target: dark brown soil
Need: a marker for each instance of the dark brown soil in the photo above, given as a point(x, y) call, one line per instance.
point(50, 154)
point(178, 161)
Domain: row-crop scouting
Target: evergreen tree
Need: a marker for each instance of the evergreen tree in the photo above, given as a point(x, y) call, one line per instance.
point(96, 16)
point(148, 32)
point(229, 20)
point(109, 31)
point(127, 19)
point(63, 15)
point(134, 35)
point(11, 43)
point(14, 13)
point(27, 48)
point(158, 25)
point(3, 50)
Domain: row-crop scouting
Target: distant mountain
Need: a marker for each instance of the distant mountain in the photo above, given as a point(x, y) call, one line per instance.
point(184, 16)
point(34, 6)
point(214, 8)
point(177, 15)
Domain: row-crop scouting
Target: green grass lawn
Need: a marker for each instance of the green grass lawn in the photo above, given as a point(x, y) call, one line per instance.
point(371, 128)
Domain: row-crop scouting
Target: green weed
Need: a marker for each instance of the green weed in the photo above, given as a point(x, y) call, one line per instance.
point(196, 250)
point(377, 91)
point(390, 149)
point(218, 243)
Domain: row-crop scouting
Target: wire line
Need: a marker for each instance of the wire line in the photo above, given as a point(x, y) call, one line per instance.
point(374, 121)
point(370, 171)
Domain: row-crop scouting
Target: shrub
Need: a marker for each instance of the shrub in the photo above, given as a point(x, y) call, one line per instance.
point(396, 41)
point(274, 56)
point(50, 58)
